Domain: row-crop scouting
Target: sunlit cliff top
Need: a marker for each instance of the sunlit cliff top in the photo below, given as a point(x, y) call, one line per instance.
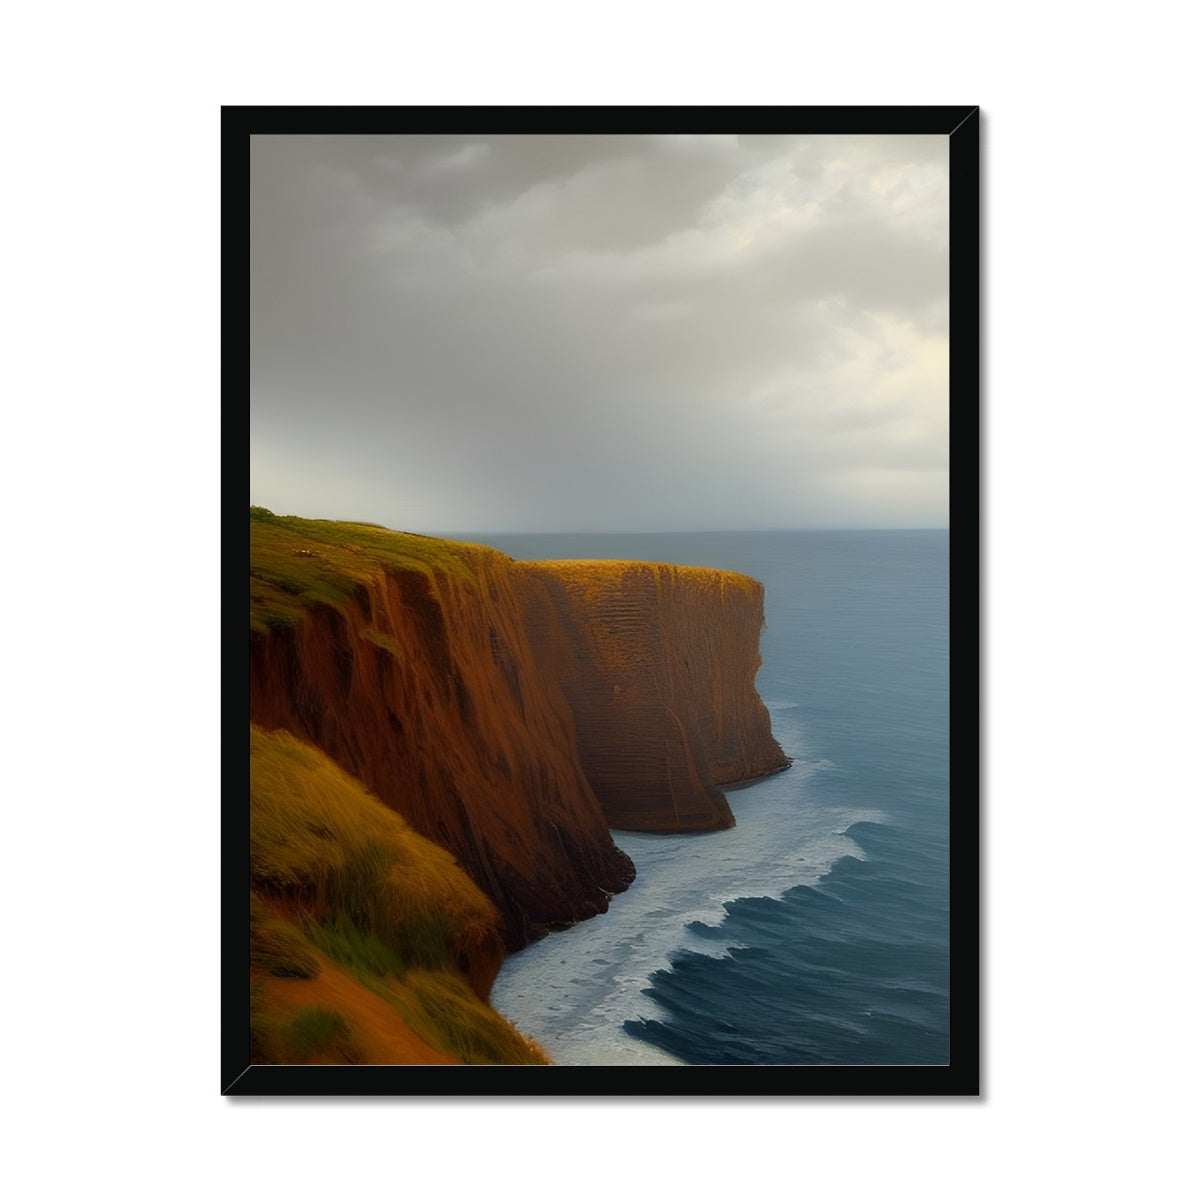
point(296, 563)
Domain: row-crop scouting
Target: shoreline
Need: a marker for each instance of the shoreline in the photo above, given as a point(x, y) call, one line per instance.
point(573, 991)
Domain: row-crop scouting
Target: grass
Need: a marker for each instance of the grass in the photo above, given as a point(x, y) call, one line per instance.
point(364, 954)
point(447, 1009)
point(299, 1034)
point(297, 564)
point(363, 888)
point(319, 837)
point(277, 946)
point(313, 1030)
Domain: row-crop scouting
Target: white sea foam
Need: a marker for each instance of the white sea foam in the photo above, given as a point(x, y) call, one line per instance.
point(573, 990)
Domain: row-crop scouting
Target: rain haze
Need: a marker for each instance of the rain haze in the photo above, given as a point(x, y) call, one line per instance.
point(593, 333)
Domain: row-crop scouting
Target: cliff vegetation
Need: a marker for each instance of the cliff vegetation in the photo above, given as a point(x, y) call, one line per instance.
point(364, 936)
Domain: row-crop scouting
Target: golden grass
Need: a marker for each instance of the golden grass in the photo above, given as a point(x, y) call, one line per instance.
point(277, 946)
point(442, 1009)
point(582, 571)
point(335, 873)
point(317, 834)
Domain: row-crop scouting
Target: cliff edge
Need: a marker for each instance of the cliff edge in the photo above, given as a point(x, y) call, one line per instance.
point(511, 712)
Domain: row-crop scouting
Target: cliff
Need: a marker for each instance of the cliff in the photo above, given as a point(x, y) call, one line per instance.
point(407, 661)
point(658, 663)
point(511, 712)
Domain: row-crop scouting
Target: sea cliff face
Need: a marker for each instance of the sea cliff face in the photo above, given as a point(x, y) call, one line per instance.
point(511, 712)
point(424, 686)
point(658, 663)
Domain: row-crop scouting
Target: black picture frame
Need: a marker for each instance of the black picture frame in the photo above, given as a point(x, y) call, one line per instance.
point(961, 1077)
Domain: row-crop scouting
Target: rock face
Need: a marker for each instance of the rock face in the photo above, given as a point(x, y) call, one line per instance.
point(659, 665)
point(511, 712)
point(425, 688)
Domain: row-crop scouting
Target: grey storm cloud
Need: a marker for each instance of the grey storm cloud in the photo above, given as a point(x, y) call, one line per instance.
point(660, 332)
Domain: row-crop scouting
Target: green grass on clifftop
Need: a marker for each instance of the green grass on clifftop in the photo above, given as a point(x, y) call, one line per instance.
point(296, 563)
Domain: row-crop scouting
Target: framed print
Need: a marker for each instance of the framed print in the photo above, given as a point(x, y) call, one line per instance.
point(613, 692)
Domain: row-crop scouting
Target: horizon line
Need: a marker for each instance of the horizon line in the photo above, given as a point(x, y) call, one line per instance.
point(453, 533)
point(685, 532)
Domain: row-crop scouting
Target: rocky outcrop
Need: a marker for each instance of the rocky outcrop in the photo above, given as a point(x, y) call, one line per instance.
point(511, 712)
point(658, 663)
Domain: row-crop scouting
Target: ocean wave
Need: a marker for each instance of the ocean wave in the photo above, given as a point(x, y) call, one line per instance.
point(575, 990)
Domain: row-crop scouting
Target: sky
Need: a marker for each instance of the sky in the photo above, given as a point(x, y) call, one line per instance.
point(593, 333)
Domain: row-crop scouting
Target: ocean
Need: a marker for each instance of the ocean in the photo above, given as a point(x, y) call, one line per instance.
point(817, 930)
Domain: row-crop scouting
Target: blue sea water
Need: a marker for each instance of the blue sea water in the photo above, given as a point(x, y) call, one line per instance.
point(816, 931)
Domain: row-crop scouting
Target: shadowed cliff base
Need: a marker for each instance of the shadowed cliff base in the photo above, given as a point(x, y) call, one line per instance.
point(510, 712)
